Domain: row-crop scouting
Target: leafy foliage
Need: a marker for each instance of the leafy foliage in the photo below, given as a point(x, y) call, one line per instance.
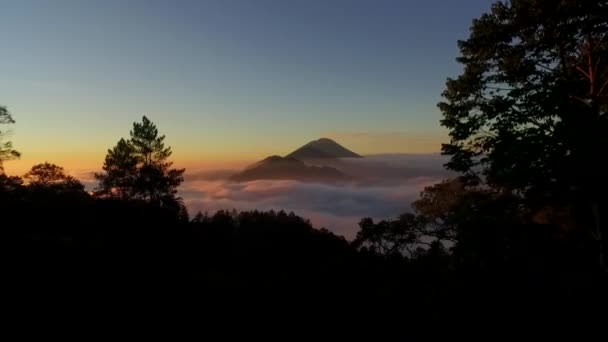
point(47, 175)
point(120, 168)
point(390, 237)
point(138, 169)
point(529, 109)
point(529, 114)
point(6, 147)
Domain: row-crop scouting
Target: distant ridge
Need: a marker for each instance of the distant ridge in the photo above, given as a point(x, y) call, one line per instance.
point(323, 148)
point(276, 167)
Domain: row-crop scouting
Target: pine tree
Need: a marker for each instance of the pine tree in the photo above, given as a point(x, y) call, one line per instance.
point(138, 168)
point(120, 172)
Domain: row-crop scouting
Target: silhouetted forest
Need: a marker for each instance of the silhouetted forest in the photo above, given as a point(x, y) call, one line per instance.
point(526, 218)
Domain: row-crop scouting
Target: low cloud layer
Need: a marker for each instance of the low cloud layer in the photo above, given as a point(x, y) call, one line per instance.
point(385, 187)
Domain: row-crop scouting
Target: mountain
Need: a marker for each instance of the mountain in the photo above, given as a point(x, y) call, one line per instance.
point(277, 167)
point(322, 149)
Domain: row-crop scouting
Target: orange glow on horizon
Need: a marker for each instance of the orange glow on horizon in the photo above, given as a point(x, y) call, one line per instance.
point(85, 159)
point(77, 165)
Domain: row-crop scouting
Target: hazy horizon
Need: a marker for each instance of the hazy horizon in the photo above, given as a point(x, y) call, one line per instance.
point(90, 164)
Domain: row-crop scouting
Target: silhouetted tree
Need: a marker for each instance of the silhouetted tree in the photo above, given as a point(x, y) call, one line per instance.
point(438, 214)
point(47, 175)
point(444, 208)
point(6, 147)
point(10, 184)
point(529, 112)
point(138, 169)
point(201, 218)
point(120, 172)
point(401, 236)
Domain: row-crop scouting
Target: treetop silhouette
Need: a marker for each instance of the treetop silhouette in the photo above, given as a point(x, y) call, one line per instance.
point(6, 147)
point(138, 168)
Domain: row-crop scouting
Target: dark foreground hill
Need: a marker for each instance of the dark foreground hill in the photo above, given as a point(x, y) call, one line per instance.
point(64, 244)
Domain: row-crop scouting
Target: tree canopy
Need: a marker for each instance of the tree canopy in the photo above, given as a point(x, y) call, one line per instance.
point(6, 147)
point(138, 168)
point(120, 168)
point(47, 175)
point(529, 113)
point(529, 110)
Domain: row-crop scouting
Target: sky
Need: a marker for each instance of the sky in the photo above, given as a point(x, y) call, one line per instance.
point(227, 80)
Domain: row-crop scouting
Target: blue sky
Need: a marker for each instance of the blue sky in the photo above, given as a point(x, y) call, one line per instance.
point(227, 79)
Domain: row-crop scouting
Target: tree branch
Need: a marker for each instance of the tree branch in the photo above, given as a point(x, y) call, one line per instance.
point(544, 67)
point(488, 133)
point(580, 99)
point(599, 93)
point(583, 71)
point(499, 88)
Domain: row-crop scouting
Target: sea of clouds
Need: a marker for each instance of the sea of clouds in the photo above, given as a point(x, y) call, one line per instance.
point(384, 187)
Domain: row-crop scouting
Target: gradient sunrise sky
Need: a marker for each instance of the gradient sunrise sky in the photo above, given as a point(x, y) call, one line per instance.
point(227, 80)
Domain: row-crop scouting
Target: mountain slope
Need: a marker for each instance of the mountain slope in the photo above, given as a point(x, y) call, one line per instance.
point(321, 149)
point(277, 167)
